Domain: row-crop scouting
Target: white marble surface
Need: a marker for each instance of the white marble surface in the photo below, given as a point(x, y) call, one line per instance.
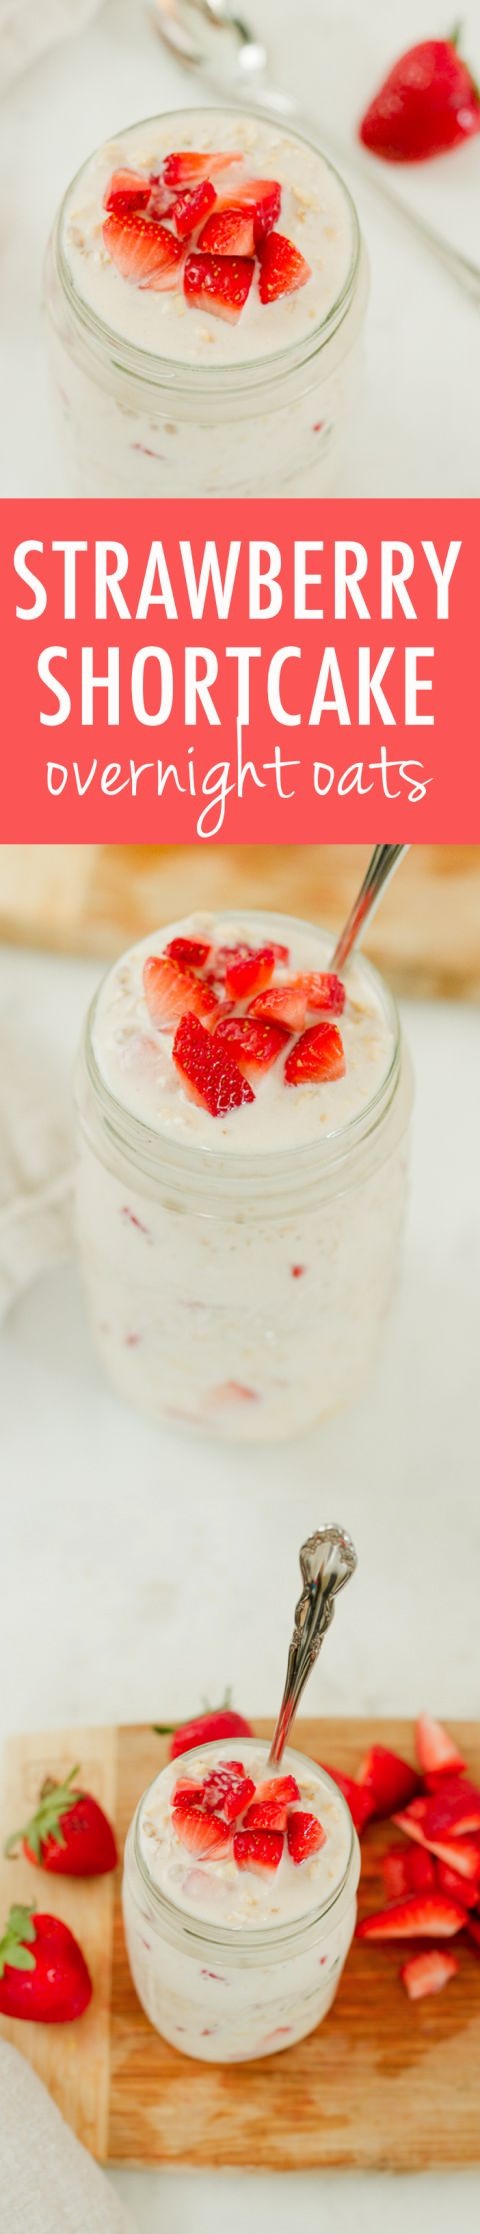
point(416, 431)
point(104, 1618)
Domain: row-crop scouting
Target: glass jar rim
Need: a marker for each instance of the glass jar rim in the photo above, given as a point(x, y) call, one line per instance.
point(205, 381)
point(309, 1158)
point(270, 1938)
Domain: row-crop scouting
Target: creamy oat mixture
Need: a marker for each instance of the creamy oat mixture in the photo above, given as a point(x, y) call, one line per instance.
point(215, 1889)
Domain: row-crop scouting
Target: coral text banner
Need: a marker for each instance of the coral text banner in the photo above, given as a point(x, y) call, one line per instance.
point(260, 672)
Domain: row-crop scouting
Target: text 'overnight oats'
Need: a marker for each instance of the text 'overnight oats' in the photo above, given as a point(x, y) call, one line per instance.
point(239, 1900)
point(241, 1173)
point(206, 286)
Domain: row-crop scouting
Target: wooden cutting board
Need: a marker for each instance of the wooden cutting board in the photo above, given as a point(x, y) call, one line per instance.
point(384, 2084)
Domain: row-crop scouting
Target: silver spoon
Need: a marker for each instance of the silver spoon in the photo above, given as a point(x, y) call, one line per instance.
point(207, 35)
point(327, 1561)
point(383, 861)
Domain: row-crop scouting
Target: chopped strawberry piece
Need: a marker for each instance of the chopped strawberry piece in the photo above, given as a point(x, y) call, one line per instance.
point(325, 991)
point(304, 1836)
point(391, 1780)
point(228, 1789)
point(453, 1807)
point(190, 953)
point(280, 953)
point(427, 1973)
point(172, 992)
point(187, 1794)
point(422, 1916)
point(192, 206)
point(219, 284)
point(207, 1070)
point(282, 1004)
point(143, 250)
point(281, 1788)
point(359, 1797)
point(186, 169)
point(409, 1869)
point(249, 973)
point(282, 268)
point(450, 1882)
point(260, 1851)
point(462, 1854)
point(224, 956)
point(317, 1056)
point(255, 1046)
point(228, 233)
point(436, 1753)
point(202, 1833)
point(260, 199)
point(266, 1815)
point(160, 202)
point(126, 191)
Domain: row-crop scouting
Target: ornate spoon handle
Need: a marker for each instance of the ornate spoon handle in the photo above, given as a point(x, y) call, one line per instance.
point(327, 1561)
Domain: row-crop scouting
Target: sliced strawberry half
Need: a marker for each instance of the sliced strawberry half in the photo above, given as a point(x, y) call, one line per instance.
point(172, 992)
point(282, 268)
point(427, 1973)
point(259, 199)
point(326, 992)
point(228, 1790)
point(410, 1869)
point(187, 1794)
point(359, 1797)
point(282, 1004)
point(200, 1832)
point(436, 1753)
point(190, 953)
point(281, 1788)
point(191, 207)
point(266, 1815)
point(454, 1807)
point(391, 1780)
point(220, 284)
point(260, 1851)
point(228, 233)
point(304, 1835)
point(209, 1075)
point(249, 973)
point(143, 249)
point(186, 168)
point(254, 1046)
point(422, 1916)
point(461, 1854)
point(126, 191)
point(317, 1056)
point(450, 1882)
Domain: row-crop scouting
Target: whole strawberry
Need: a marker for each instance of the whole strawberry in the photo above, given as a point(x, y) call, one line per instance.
point(427, 104)
point(69, 1833)
point(43, 1974)
point(218, 1722)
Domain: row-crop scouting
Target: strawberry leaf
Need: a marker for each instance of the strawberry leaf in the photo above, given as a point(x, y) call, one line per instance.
point(55, 1801)
point(20, 1927)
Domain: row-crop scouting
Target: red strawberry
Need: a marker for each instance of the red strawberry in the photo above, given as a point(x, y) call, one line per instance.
point(409, 1869)
point(69, 1833)
point(255, 1046)
point(427, 1973)
point(187, 1794)
point(436, 1753)
point(266, 1815)
point(126, 191)
point(391, 1780)
point(453, 1807)
point(192, 206)
point(228, 233)
point(185, 168)
point(282, 268)
point(200, 1832)
point(461, 1854)
point(43, 1974)
point(219, 284)
point(207, 1071)
point(282, 1004)
point(172, 992)
point(190, 953)
point(304, 1836)
point(143, 250)
point(262, 197)
point(283, 1789)
point(260, 1851)
point(160, 201)
point(249, 973)
point(359, 1798)
point(427, 104)
point(318, 1055)
point(450, 1882)
point(325, 991)
point(219, 1722)
point(223, 957)
point(422, 1916)
point(228, 1789)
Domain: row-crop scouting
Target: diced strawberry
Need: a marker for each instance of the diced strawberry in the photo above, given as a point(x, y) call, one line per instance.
point(427, 1973)
point(281, 1788)
point(187, 1793)
point(143, 250)
point(172, 992)
point(202, 1833)
point(282, 1004)
point(280, 953)
point(260, 198)
point(219, 284)
point(160, 202)
point(359, 1798)
point(191, 207)
point(391, 1780)
point(326, 992)
point(249, 973)
point(436, 1753)
point(260, 1851)
point(453, 1807)
point(126, 191)
point(462, 1854)
point(254, 1046)
point(304, 1835)
point(206, 1068)
point(409, 1869)
point(228, 233)
point(450, 1882)
point(228, 1789)
point(266, 1815)
point(317, 1056)
point(282, 268)
point(187, 168)
point(422, 1916)
point(224, 955)
point(190, 953)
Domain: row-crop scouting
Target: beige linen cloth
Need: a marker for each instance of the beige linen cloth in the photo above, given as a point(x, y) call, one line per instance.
point(48, 2183)
point(35, 1161)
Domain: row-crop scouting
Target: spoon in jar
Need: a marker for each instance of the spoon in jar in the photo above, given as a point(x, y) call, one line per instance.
point(327, 1560)
point(383, 861)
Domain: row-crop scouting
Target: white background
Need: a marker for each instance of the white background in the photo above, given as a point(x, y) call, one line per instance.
point(416, 431)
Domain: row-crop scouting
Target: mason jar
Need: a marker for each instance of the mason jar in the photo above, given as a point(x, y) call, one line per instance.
point(141, 423)
point(228, 1995)
point(241, 1294)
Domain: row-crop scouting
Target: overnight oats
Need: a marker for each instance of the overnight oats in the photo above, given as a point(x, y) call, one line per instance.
point(242, 1133)
point(239, 1901)
point(206, 288)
